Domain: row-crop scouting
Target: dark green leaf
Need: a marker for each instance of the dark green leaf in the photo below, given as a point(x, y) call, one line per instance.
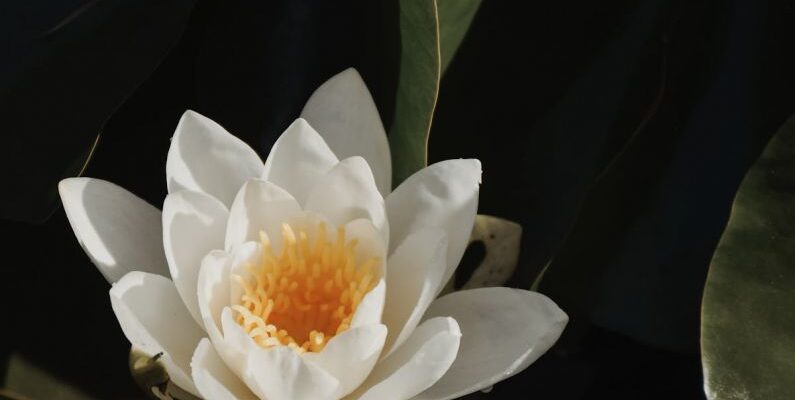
point(455, 16)
point(64, 74)
point(748, 309)
point(547, 113)
point(636, 259)
point(257, 63)
point(418, 87)
point(25, 380)
point(430, 34)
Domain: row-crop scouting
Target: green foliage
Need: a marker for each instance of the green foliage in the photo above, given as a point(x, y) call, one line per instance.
point(455, 17)
point(430, 33)
point(418, 87)
point(596, 186)
point(748, 309)
point(24, 380)
point(60, 86)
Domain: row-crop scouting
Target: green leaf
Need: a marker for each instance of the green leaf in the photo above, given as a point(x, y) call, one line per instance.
point(430, 33)
point(24, 380)
point(455, 17)
point(581, 226)
point(748, 308)
point(64, 79)
point(418, 87)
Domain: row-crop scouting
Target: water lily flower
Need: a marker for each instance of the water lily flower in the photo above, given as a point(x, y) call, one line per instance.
point(305, 276)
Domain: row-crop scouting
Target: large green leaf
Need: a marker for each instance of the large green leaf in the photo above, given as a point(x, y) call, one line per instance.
point(587, 183)
point(65, 71)
point(455, 16)
point(25, 380)
point(636, 260)
point(418, 87)
point(748, 309)
point(430, 32)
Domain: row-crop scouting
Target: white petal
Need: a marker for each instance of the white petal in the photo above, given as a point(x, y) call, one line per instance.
point(119, 231)
point(504, 331)
point(204, 157)
point(216, 292)
point(193, 224)
point(213, 290)
point(298, 159)
point(415, 273)
point(249, 253)
point(348, 192)
point(370, 242)
point(416, 365)
point(344, 113)
point(259, 206)
point(443, 195)
point(279, 373)
point(371, 308)
point(351, 355)
point(212, 377)
point(154, 319)
point(235, 336)
point(370, 245)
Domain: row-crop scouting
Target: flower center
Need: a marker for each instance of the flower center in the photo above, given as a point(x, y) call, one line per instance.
point(307, 293)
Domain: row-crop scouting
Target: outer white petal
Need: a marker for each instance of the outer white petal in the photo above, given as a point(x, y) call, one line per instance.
point(415, 273)
point(504, 331)
point(204, 157)
point(443, 195)
point(344, 113)
point(351, 355)
point(348, 192)
point(416, 365)
point(193, 224)
point(119, 231)
point(212, 377)
point(260, 205)
point(298, 160)
point(154, 319)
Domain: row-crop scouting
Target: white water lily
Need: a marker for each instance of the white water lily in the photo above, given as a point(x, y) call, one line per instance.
point(306, 277)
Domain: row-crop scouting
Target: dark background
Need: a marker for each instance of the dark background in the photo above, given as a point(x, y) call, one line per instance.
point(615, 132)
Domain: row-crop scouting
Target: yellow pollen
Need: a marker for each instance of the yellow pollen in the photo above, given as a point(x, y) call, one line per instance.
point(307, 293)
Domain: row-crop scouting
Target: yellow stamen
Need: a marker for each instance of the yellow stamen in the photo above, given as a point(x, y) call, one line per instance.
point(305, 295)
